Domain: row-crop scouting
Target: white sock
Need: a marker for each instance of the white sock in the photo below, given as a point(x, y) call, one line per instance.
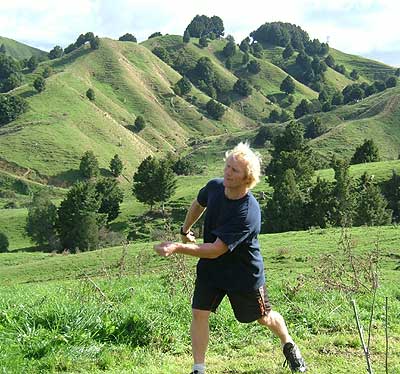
point(201, 368)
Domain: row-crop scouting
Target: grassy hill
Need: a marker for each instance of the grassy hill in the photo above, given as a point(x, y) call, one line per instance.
point(19, 50)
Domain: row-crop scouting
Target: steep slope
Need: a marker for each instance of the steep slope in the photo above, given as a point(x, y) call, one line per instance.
point(128, 81)
point(19, 50)
point(376, 117)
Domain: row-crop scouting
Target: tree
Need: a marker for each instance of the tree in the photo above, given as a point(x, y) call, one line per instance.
point(245, 58)
point(90, 94)
point(315, 128)
point(127, 38)
point(56, 52)
point(47, 71)
point(337, 98)
point(323, 96)
point(140, 123)
point(40, 84)
point(288, 51)
point(203, 25)
point(183, 86)
point(305, 107)
point(162, 53)
point(4, 243)
point(330, 61)
point(319, 207)
point(242, 87)
point(228, 63)
point(78, 218)
point(391, 191)
point(203, 42)
point(366, 152)
point(215, 109)
point(391, 82)
point(13, 81)
point(229, 49)
point(154, 35)
point(274, 116)
point(245, 45)
point(288, 85)
point(154, 181)
point(110, 196)
point(11, 107)
point(116, 166)
point(32, 63)
point(371, 205)
point(94, 43)
point(253, 67)
point(343, 197)
point(41, 220)
point(186, 36)
point(263, 134)
point(89, 166)
point(354, 75)
point(379, 86)
point(3, 49)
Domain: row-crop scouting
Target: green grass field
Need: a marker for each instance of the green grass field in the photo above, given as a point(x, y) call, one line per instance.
point(115, 312)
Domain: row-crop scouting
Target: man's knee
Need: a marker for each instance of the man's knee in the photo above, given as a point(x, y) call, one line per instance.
point(200, 315)
point(266, 319)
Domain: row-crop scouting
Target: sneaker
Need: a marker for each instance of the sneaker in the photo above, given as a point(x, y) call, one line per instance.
point(293, 358)
point(194, 372)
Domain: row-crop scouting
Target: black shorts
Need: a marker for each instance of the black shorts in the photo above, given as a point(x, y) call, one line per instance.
point(247, 306)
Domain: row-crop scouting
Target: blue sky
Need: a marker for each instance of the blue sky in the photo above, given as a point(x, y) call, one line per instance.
point(364, 27)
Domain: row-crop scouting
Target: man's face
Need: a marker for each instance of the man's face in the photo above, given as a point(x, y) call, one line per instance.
point(235, 173)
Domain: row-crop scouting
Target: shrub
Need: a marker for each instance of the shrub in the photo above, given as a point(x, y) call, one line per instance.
point(4, 243)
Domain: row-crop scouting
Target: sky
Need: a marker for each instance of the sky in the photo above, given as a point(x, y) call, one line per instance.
point(368, 28)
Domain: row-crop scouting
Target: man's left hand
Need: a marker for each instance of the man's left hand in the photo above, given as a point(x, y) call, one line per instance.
point(166, 249)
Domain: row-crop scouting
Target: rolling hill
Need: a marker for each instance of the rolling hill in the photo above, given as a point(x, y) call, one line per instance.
point(20, 50)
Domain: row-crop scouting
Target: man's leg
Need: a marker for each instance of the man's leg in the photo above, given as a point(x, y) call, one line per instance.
point(199, 331)
point(275, 322)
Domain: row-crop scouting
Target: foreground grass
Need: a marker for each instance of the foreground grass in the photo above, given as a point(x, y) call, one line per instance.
point(128, 311)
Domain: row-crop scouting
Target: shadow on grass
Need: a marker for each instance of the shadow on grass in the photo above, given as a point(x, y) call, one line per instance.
point(31, 249)
point(65, 178)
point(29, 93)
point(71, 57)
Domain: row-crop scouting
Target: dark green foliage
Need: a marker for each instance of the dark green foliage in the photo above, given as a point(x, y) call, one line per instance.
point(56, 52)
point(186, 36)
point(70, 48)
point(263, 134)
point(203, 25)
point(354, 75)
point(370, 90)
point(337, 98)
point(323, 96)
point(90, 94)
point(330, 61)
point(89, 166)
point(288, 51)
point(366, 152)
point(256, 49)
point(41, 220)
point(203, 42)
point(228, 63)
point(13, 81)
point(229, 49)
point(140, 123)
point(11, 107)
point(291, 152)
point(397, 72)
point(288, 85)
point(154, 35)
point(391, 82)
point(162, 53)
point(305, 107)
point(4, 243)
point(32, 63)
point(183, 86)
point(253, 67)
point(80, 41)
point(47, 71)
point(78, 218)
point(326, 106)
point(110, 196)
point(284, 212)
point(281, 34)
point(95, 43)
point(391, 191)
point(127, 38)
point(116, 166)
point(186, 166)
point(21, 187)
point(215, 109)
point(40, 84)
point(245, 45)
point(3, 49)
point(154, 181)
point(315, 128)
point(352, 93)
point(343, 197)
point(274, 116)
point(340, 69)
point(8, 66)
point(315, 47)
point(242, 87)
point(318, 209)
point(371, 207)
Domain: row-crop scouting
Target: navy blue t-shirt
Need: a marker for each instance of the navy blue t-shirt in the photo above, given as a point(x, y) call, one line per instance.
point(237, 223)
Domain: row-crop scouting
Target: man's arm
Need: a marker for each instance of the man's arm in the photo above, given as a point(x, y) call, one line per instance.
point(193, 214)
point(205, 250)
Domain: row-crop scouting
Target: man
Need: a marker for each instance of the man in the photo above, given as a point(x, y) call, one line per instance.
point(230, 260)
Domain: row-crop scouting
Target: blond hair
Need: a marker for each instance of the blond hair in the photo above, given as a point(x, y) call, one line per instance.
point(252, 159)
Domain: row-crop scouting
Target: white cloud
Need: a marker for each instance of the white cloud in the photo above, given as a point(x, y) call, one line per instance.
point(354, 26)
